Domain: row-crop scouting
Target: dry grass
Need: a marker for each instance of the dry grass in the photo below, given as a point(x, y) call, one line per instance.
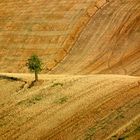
point(46, 28)
point(81, 107)
point(108, 44)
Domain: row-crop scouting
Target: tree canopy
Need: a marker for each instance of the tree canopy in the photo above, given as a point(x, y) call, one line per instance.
point(34, 65)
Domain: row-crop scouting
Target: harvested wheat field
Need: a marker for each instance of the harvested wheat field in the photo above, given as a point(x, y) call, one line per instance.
point(89, 87)
point(70, 107)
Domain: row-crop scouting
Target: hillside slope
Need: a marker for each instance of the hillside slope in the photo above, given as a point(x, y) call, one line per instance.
point(110, 43)
point(88, 49)
point(70, 107)
point(47, 28)
point(94, 36)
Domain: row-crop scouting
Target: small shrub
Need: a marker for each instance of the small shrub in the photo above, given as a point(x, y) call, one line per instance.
point(57, 84)
point(121, 138)
point(29, 102)
point(90, 132)
point(62, 100)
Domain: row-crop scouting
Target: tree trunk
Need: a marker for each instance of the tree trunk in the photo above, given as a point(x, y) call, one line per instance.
point(36, 76)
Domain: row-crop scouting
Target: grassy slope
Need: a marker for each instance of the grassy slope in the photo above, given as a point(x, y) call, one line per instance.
point(70, 107)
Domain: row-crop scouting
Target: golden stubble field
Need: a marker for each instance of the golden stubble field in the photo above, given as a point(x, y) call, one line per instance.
point(89, 88)
point(70, 107)
point(93, 36)
point(48, 28)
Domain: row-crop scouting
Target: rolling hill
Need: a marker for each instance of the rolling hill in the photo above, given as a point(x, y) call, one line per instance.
point(110, 42)
point(70, 107)
point(93, 36)
point(89, 88)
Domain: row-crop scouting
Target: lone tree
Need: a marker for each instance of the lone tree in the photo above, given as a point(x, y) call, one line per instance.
point(34, 65)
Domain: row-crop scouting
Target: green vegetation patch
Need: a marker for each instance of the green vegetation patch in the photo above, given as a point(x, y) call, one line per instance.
point(120, 116)
point(90, 132)
point(114, 137)
point(123, 138)
point(62, 100)
point(131, 134)
point(33, 100)
point(2, 123)
point(57, 84)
